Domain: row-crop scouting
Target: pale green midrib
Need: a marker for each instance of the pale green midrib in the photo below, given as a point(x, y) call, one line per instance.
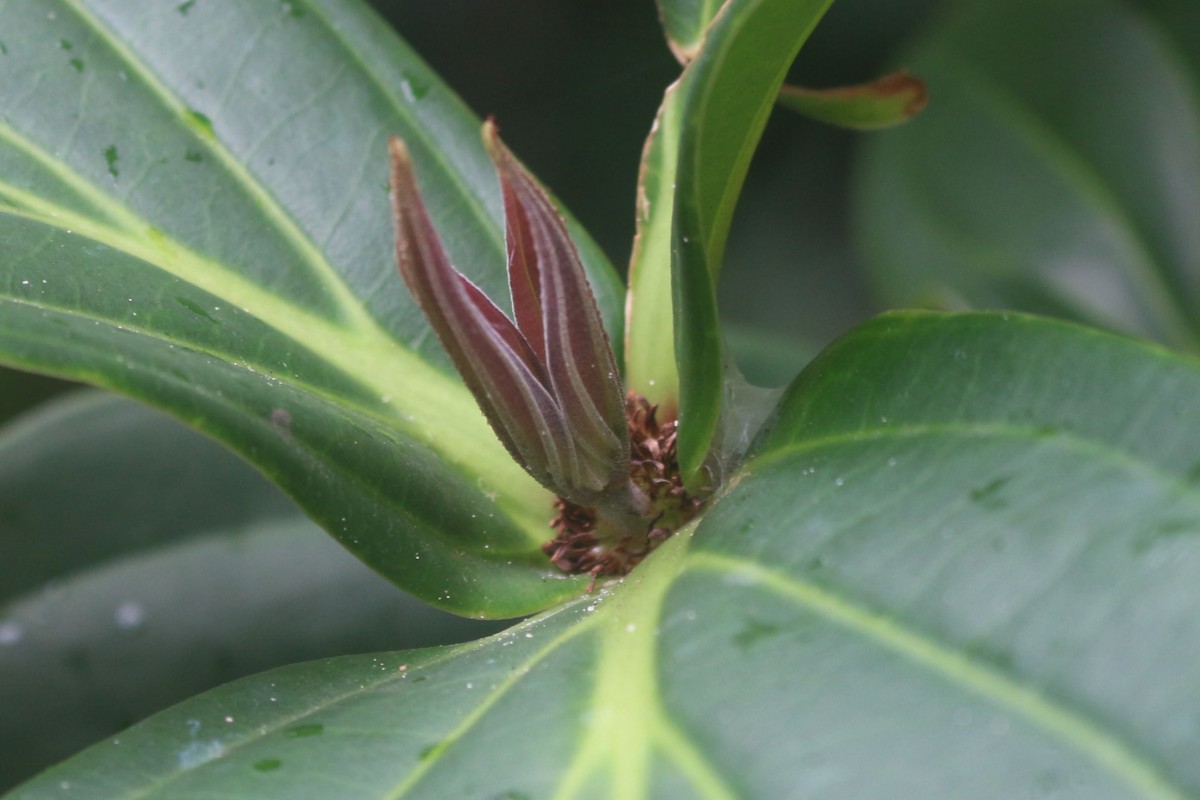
point(1078, 172)
point(1074, 730)
point(365, 355)
point(515, 512)
point(257, 734)
point(132, 237)
point(441, 654)
point(346, 302)
point(636, 725)
point(1094, 447)
point(516, 675)
point(173, 259)
point(98, 201)
point(686, 756)
point(452, 176)
point(228, 358)
point(430, 405)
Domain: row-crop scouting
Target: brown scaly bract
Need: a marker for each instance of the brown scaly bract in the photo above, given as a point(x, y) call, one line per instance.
point(654, 469)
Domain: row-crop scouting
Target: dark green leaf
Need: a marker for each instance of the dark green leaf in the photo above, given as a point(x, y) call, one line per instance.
point(193, 212)
point(964, 563)
point(1056, 170)
point(727, 94)
point(145, 563)
point(92, 478)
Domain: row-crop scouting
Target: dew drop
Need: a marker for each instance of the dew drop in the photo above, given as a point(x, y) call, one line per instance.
point(10, 633)
point(129, 615)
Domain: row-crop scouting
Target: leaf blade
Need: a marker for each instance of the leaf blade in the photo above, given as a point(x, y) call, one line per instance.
point(244, 237)
point(859, 553)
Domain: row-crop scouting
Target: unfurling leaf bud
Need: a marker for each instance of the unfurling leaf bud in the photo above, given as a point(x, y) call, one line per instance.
point(548, 383)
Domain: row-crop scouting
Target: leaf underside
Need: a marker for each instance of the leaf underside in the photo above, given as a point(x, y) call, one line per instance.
point(962, 563)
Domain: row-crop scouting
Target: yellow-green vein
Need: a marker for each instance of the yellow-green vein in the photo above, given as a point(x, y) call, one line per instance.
point(1071, 728)
point(348, 304)
point(627, 723)
point(517, 674)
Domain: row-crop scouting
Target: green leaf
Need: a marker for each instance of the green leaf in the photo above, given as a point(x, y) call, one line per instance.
point(684, 22)
point(727, 94)
point(650, 363)
point(91, 478)
point(963, 563)
point(145, 563)
point(1056, 170)
point(193, 212)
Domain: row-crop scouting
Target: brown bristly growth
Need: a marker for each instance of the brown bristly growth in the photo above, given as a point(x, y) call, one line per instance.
point(578, 549)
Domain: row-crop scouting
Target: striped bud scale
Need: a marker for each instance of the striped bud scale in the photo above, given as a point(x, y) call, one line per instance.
point(547, 379)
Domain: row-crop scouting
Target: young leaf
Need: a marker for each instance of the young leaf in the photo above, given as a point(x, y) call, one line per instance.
point(728, 92)
point(549, 383)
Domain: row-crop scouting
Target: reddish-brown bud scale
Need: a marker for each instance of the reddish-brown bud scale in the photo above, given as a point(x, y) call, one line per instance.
point(547, 380)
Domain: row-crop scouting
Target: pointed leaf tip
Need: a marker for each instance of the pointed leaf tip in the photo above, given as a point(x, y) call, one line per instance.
point(495, 362)
point(556, 311)
point(548, 383)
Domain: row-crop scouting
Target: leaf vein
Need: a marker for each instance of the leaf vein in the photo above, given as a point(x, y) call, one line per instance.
point(1084, 735)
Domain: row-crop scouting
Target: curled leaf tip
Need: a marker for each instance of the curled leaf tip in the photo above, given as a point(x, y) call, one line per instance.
point(883, 102)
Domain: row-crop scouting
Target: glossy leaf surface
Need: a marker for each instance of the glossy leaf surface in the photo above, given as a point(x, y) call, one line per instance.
point(193, 211)
point(728, 93)
point(963, 563)
point(1056, 170)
